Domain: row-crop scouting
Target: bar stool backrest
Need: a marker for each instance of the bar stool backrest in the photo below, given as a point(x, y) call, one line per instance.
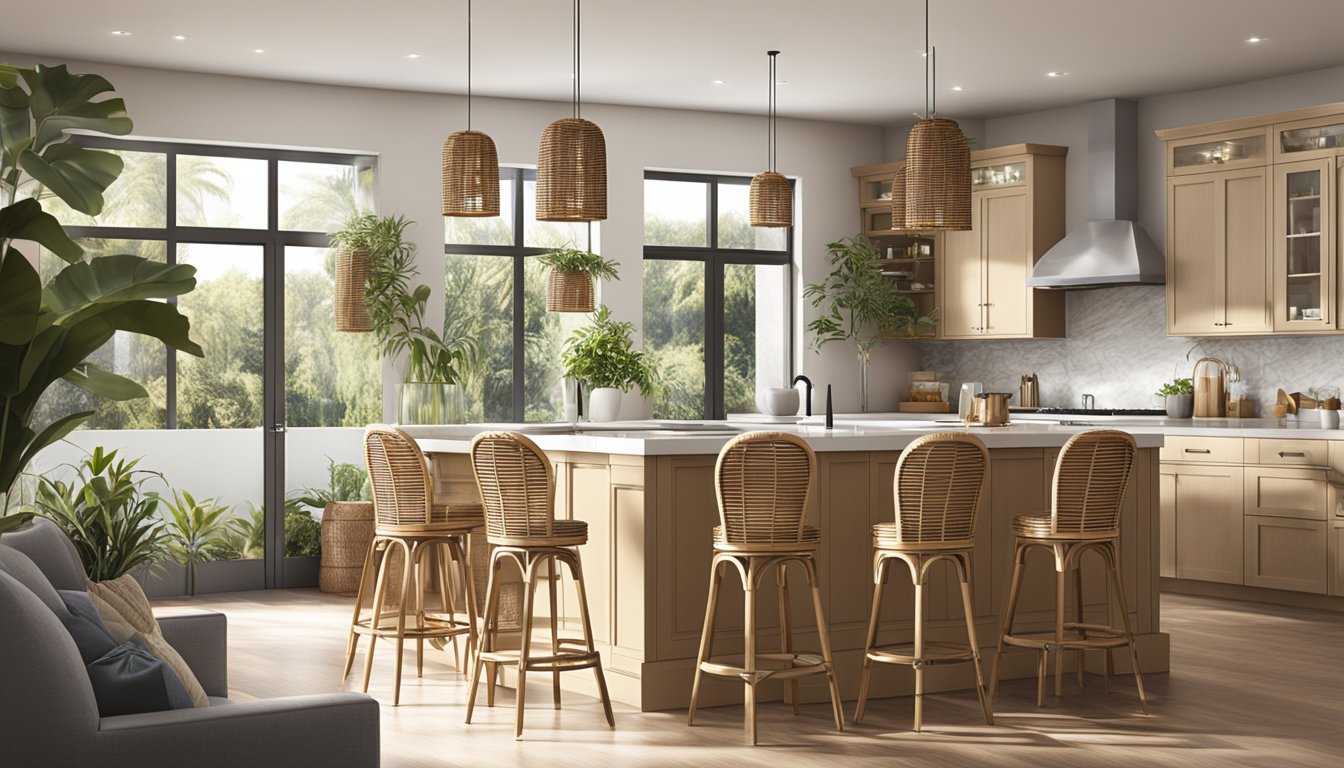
point(1090, 480)
point(764, 482)
point(402, 491)
point(517, 485)
point(938, 485)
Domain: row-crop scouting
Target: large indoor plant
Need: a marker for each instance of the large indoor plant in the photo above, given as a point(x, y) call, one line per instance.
point(569, 278)
point(48, 331)
point(602, 356)
point(431, 391)
point(860, 305)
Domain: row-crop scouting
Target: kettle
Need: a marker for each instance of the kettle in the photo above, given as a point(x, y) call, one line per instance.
point(991, 409)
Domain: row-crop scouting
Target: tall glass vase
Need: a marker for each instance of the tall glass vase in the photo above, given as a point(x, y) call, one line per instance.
point(865, 356)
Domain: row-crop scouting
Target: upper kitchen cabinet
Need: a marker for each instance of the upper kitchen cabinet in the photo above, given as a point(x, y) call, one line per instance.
point(1017, 213)
point(1253, 225)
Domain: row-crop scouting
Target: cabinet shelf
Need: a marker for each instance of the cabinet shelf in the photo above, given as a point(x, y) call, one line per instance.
point(912, 290)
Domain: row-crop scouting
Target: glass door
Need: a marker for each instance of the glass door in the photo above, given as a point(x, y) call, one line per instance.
point(1303, 250)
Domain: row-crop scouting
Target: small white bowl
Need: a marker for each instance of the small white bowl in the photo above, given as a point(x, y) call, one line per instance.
point(778, 401)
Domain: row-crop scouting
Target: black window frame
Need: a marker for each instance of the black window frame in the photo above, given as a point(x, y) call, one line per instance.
point(714, 259)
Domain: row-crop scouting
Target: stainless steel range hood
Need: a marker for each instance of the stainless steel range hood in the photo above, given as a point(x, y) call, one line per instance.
point(1110, 249)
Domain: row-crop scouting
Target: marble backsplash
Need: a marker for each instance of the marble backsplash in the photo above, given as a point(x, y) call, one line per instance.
point(1118, 350)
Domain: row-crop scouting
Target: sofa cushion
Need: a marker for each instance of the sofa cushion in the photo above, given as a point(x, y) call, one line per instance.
point(51, 550)
point(128, 606)
point(129, 679)
point(25, 571)
point(86, 628)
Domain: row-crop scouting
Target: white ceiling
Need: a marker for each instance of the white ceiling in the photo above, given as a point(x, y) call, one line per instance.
point(854, 60)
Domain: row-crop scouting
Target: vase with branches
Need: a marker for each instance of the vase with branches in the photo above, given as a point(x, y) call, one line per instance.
point(859, 305)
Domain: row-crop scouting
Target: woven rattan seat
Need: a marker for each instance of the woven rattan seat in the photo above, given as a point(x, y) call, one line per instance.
point(410, 523)
point(517, 485)
point(1091, 477)
point(764, 484)
point(937, 487)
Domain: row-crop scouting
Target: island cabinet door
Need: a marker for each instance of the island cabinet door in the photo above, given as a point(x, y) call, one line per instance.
point(1206, 507)
point(1285, 553)
point(1336, 546)
point(1167, 523)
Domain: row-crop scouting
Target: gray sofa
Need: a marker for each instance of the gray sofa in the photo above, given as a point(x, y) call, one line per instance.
point(48, 716)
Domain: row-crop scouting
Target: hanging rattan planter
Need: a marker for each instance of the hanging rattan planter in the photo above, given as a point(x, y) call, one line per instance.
point(898, 200)
point(771, 201)
point(569, 292)
point(572, 172)
point(352, 273)
point(470, 175)
point(938, 177)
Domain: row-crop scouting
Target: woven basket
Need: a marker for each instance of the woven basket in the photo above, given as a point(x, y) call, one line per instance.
point(347, 532)
point(572, 172)
point(938, 177)
point(569, 291)
point(898, 200)
point(771, 200)
point(352, 273)
point(470, 175)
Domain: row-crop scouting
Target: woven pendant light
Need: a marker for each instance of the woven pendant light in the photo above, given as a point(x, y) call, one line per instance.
point(898, 199)
point(771, 201)
point(352, 273)
point(572, 162)
point(470, 163)
point(937, 163)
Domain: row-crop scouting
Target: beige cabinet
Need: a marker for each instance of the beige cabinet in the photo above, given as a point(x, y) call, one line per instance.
point(1336, 547)
point(1286, 492)
point(1286, 553)
point(1304, 247)
point(1202, 522)
point(1218, 253)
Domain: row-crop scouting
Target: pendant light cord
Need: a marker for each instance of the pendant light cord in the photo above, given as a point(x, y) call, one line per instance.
point(576, 59)
point(927, 112)
point(770, 130)
point(468, 65)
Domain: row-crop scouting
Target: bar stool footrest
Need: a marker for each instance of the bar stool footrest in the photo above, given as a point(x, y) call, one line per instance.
point(769, 666)
point(934, 653)
point(1074, 640)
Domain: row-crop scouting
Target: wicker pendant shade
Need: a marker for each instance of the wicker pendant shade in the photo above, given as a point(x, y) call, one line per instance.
point(470, 175)
point(938, 177)
point(352, 272)
point(771, 200)
point(898, 200)
point(572, 172)
point(569, 292)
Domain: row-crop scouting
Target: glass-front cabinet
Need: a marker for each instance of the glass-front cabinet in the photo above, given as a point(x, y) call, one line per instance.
point(1003, 175)
point(1304, 247)
point(1313, 139)
point(1222, 152)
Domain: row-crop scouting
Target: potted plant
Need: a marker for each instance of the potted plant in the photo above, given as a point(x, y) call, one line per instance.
point(603, 356)
point(569, 278)
point(860, 304)
point(431, 391)
point(197, 532)
point(347, 525)
point(1180, 398)
point(47, 331)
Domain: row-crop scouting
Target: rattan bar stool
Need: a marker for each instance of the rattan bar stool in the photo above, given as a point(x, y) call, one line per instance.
point(1089, 491)
point(764, 481)
point(517, 484)
point(408, 520)
point(939, 482)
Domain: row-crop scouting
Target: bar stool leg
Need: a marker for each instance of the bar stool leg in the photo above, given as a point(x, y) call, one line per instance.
point(444, 561)
point(1078, 613)
point(463, 555)
point(1007, 621)
point(553, 575)
point(418, 587)
point(525, 643)
point(786, 626)
point(576, 569)
point(379, 595)
point(353, 642)
point(706, 637)
point(810, 567)
point(492, 607)
point(1059, 629)
point(919, 646)
point(407, 570)
point(749, 649)
point(1113, 562)
point(879, 578)
point(963, 565)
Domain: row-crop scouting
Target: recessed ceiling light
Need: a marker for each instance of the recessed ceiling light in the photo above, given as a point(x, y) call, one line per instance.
point(258, 50)
point(120, 33)
point(1255, 39)
point(720, 82)
point(412, 55)
point(958, 88)
point(1056, 73)
point(179, 37)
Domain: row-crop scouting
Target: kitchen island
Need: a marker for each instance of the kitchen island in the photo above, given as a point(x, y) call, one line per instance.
point(646, 491)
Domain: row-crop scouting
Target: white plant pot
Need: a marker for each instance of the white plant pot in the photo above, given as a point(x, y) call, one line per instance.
point(604, 404)
point(1329, 419)
point(777, 401)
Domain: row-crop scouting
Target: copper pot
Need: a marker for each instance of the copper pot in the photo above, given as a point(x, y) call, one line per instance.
point(991, 409)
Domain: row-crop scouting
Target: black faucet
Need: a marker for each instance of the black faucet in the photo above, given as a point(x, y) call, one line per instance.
point(807, 399)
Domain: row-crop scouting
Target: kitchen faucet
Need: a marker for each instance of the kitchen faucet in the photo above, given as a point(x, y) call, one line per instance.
point(1089, 402)
point(807, 398)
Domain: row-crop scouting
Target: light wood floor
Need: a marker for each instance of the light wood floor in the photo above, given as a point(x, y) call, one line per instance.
point(1254, 685)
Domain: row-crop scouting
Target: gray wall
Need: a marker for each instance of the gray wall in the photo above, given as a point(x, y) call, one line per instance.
point(1117, 347)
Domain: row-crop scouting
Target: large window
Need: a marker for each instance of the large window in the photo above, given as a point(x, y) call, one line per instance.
point(716, 296)
point(496, 294)
point(230, 212)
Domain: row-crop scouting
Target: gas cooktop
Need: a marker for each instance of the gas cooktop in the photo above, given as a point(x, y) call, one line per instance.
point(1102, 411)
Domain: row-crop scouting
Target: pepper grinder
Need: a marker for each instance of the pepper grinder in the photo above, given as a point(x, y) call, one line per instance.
point(830, 412)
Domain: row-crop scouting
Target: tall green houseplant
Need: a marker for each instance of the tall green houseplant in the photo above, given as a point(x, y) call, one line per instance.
point(48, 331)
point(860, 305)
